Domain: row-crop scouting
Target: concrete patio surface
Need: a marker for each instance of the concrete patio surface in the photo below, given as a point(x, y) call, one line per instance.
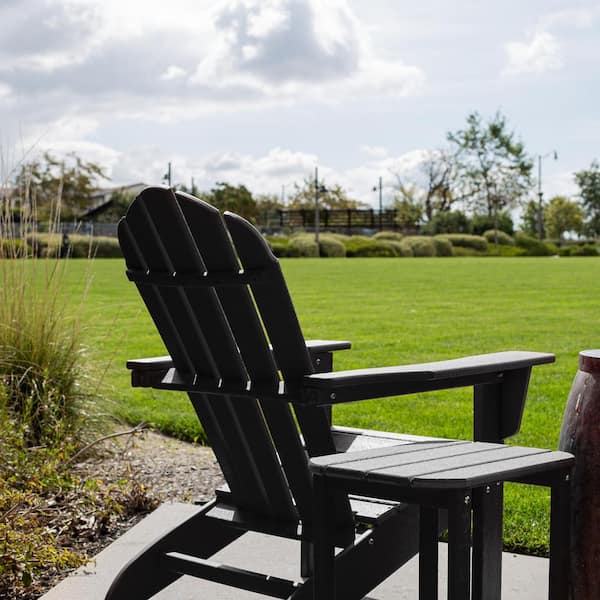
point(524, 577)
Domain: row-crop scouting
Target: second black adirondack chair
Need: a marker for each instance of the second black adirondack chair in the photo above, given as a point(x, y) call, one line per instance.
point(220, 303)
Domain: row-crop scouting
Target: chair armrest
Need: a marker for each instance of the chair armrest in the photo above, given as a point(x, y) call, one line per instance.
point(149, 372)
point(500, 380)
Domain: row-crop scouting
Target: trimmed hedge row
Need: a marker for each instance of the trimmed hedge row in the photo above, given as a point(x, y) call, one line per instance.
point(391, 244)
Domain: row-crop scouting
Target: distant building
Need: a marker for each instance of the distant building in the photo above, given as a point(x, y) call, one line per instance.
point(101, 200)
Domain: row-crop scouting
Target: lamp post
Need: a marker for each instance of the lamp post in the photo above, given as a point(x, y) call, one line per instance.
point(167, 175)
point(375, 188)
point(319, 189)
point(540, 215)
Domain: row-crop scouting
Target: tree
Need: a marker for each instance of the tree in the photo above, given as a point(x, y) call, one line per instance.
point(432, 186)
point(450, 221)
point(562, 215)
point(237, 199)
point(409, 214)
point(267, 206)
point(493, 170)
point(120, 199)
point(589, 192)
point(330, 197)
point(529, 219)
point(47, 183)
point(502, 221)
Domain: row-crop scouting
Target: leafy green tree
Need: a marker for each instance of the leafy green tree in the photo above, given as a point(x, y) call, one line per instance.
point(452, 221)
point(409, 214)
point(503, 222)
point(493, 169)
point(119, 203)
point(47, 182)
point(529, 219)
point(432, 186)
point(588, 181)
point(267, 206)
point(330, 197)
point(237, 199)
point(562, 215)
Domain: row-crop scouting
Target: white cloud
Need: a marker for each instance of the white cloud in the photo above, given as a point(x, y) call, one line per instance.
point(374, 151)
point(184, 59)
point(173, 72)
point(5, 90)
point(578, 18)
point(540, 55)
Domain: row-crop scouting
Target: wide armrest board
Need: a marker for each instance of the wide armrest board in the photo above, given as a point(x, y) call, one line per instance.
point(148, 372)
point(344, 386)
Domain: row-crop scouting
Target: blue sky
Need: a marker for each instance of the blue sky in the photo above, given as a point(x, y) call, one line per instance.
point(260, 93)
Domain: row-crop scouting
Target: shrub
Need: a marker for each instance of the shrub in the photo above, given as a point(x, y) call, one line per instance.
point(472, 242)
point(12, 248)
point(576, 250)
point(44, 244)
point(84, 246)
point(503, 238)
point(402, 248)
point(421, 245)
point(482, 223)
point(304, 245)
point(452, 221)
point(533, 246)
point(503, 250)
point(358, 245)
point(443, 246)
point(280, 247)
point(462, 251)
point(390, 236)
point(329, 246)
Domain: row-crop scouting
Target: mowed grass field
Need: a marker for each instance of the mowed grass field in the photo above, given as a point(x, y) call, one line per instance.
point(394, 312)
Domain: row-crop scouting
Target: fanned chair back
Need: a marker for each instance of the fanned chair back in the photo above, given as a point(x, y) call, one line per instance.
point(219, 301)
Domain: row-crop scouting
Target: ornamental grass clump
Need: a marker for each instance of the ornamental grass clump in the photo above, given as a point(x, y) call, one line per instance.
point(41, 370)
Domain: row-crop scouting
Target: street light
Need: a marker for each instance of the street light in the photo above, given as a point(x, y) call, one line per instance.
point(540, 215)
point(319, 189)
point(380, 187)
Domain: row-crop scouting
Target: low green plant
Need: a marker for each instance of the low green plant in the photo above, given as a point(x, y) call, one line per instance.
point(84, 246)
point(578, 250)
point(44, 506)
point(443, 246)
point(392, 236)
point(362, 246)
point(331, 247)
point(502, 250)
point(463, 240)
point(421, 245)
point(402, 248)
point(502, 237)
point(533, 246)
point(303, 244)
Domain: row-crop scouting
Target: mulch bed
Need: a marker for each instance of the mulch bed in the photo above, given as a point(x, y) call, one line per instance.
point(167, 469)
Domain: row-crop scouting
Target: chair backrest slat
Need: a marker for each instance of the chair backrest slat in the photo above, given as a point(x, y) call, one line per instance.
point(212, 240)
point(289, 347)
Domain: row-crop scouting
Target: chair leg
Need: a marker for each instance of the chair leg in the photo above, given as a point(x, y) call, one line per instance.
point(560, 538)
point(144, 575)
point(459, 545)
point(307, 558)
point(324, 547)
point(487, 542)
point(428, 553)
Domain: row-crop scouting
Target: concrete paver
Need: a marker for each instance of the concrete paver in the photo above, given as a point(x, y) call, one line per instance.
point(524, 577)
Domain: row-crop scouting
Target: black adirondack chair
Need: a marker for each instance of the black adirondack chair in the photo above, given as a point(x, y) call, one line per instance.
point(220, 303)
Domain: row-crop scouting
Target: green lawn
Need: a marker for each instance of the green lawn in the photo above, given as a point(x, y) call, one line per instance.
point(394, 311)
